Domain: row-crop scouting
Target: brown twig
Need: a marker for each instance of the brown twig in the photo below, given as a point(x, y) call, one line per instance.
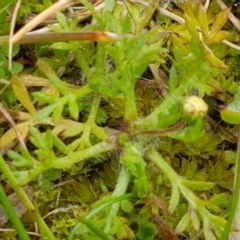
point(165, 232)
point(222, 130)
point(161, 132)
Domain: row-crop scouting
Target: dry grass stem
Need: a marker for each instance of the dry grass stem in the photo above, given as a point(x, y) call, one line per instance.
point(39, 18)
point(10, 120)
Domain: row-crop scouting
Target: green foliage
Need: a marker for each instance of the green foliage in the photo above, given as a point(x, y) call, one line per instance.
point(5, 4)
point(133, 160)
point(230, 114)
point(119, 128)
point(146, 231)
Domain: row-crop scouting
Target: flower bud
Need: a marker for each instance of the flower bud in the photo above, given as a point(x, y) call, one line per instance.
point(194, 107)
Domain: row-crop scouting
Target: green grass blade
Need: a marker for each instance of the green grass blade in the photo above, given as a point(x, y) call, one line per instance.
point(13, 217)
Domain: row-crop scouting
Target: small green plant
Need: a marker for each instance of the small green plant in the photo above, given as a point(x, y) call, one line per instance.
point(139, 161)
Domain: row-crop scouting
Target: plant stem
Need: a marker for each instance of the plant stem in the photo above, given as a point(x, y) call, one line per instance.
point(24, 199)
point(151, 121)
point(161, 132)
point(121, 188)
point(44, 229)
point(130, 114)
point(82, 63)
point(22, 233)
point(70, 159)
point(96, 230)
point(99, 209)
point(235, 205)
point(78, 156)
point(158, 160)
point(91, 120)
point(14, 184)
point(63, 37)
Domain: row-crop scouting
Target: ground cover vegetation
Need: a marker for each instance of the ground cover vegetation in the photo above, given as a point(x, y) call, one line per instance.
point(119, 119)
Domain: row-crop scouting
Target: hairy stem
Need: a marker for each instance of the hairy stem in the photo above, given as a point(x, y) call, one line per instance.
point(91, 120)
